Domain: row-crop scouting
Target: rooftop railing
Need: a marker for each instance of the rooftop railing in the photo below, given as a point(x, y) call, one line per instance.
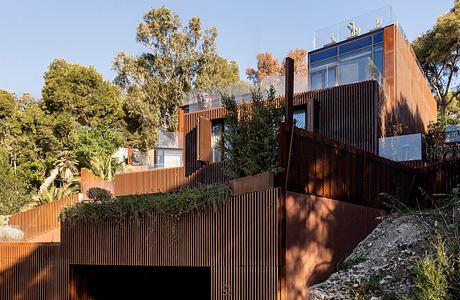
point(212, 98)
point(354, 27)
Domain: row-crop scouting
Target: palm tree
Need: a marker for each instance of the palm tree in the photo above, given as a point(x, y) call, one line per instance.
point(104, 166)
point(53, 193)
point(65, 167)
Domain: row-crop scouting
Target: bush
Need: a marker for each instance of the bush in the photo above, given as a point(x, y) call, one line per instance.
point(437, 275)
point(99, 194)
point(250, 141)
point(175, 204)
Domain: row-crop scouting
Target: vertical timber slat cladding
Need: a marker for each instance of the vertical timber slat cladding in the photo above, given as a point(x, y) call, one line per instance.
point(167, 180)
point(321, 164)
point(204, 140)
point(32, 271)
point(89, 180)
point(346, 113)
point(231, 241)
point(41, 219)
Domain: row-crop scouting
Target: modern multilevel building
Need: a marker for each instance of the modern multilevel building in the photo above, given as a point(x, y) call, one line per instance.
point(274, 238)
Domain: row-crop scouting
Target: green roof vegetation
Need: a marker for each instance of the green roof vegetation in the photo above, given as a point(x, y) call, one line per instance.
point(173, 204)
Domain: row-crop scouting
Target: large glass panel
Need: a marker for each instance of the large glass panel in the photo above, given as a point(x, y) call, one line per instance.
point(322, 64)
point(300, 118)
point(378, 57)
point(378, 37)
point(216, 140)
point(354, 67)
point(322, 55)
point(316, 80)
point(332, 76)
point(354, 45)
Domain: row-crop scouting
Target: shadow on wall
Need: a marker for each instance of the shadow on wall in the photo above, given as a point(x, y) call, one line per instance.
point(320, 233)
point(408, 119)
point(31, 271)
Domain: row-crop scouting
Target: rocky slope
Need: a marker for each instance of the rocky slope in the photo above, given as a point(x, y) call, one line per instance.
point(381, 265)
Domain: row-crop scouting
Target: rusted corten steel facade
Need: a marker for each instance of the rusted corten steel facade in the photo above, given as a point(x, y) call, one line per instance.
point(327, 168)
point(347, 113)
point(241, 243)
point(89, 180)
point(32, 271)
point(260, 245)
point(320, 233)
point(411, 104)
point(41, 219)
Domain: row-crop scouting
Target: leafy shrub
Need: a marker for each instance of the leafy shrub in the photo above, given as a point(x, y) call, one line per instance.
point(175, 204)
point(437, 275)
point(431, 276)
point(436, 134)
point(99, 194)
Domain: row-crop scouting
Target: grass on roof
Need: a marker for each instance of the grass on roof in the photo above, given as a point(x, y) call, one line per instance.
point(173, 204)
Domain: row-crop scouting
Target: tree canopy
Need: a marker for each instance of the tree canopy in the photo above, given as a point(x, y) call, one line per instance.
point(438, 51)
point(7, 104)
point(82, 92)
point(179, 59)
point(267, 65)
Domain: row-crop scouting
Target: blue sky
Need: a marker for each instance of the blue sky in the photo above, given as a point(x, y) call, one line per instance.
point(92, 32)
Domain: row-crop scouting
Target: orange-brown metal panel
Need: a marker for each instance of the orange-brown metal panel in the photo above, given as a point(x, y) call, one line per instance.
point(415, 105)
point(89, 180)
point(239, 242)
point(41, 219)
point(204, 140)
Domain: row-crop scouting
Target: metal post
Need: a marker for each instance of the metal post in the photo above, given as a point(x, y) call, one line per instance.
point(289, 91)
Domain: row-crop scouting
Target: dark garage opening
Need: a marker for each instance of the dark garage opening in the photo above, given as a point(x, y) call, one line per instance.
point(139, 282)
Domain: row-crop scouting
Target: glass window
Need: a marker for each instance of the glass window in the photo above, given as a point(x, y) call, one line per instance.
point(378, 57)
point(216, 141)
point(316, 80)
point(300, 118)
point(378, 37)
point(322, 64)
point(332, 76)
point(354, 67)
point(324, 54)
point(355, 45)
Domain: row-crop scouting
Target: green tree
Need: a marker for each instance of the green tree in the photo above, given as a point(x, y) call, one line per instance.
point(13, 193)
point(250, 141)
point(104, 166)
point(53, 193)
point(438, 51)
point(8, 106)
point(218, 72)
point(33, 143)
point(96, 142)
point(81, 92)
point(179, 58)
